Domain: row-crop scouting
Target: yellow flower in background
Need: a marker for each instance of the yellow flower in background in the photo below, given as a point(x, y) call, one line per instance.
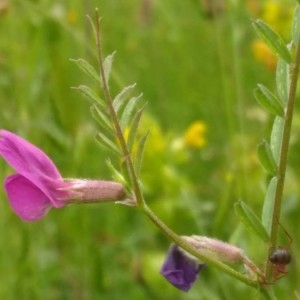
point(278, 14)
point(72, 16)
point(157, 141)
point(194, 136)
point(126, 133)
point(271, 12)
point(264, 54)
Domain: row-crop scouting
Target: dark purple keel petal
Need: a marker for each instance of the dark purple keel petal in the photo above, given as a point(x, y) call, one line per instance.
point(27, 201)
point(180, 270)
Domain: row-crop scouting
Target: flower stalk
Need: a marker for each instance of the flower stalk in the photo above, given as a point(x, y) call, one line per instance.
point(141, 204)
point(109, 101)
point(185, 245)
point(283, 158)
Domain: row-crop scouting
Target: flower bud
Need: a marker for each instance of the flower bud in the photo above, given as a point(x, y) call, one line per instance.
point(179, 269)
point(218, 249)
point(222, 251)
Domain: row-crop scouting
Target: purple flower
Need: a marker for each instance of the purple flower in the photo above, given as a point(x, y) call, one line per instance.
point(38, 186)
point(179, 269)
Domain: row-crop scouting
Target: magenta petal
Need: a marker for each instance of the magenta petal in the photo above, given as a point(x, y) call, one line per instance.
point(32, 163)
point(25, 157)
point(27, 201)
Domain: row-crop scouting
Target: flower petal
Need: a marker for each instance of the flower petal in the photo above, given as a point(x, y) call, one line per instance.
point(32, 163)
point(27, 201)
point(180, 270)
point(25, 157)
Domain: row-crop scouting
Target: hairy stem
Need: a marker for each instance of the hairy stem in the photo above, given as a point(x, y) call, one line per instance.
point(187, 247)
point(126, 154)
point(138, 193)
point(283, 158)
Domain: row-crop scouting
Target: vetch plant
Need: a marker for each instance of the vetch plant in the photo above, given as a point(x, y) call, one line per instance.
point(119, 116)
point(273, 154)
point(180, 269)
point(38, 185)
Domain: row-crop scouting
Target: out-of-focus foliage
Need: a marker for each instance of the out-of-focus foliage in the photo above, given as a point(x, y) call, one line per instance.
point(197, 69)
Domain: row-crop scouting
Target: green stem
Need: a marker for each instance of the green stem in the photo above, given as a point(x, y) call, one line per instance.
point(187, 247)
point(283, 159)
point(126, 154)
point(136, 187)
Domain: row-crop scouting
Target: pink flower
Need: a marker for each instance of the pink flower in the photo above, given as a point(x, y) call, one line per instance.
point(38, 186)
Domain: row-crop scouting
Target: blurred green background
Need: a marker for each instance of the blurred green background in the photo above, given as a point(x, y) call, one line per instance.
point(194, 65)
